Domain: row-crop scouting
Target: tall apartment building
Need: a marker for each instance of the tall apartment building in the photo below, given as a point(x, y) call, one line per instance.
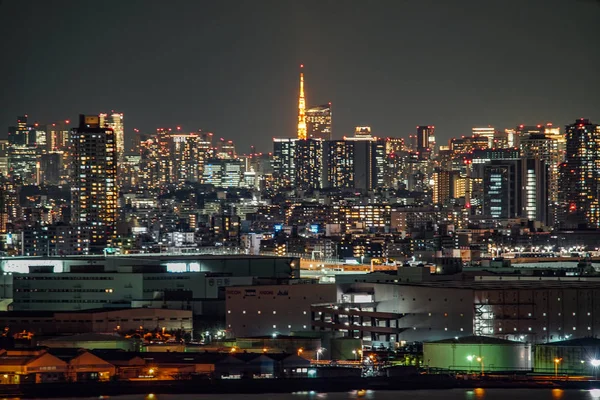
point(94, 189)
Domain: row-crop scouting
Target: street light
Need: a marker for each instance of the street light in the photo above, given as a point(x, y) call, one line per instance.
point(300, 350)
point(595, 363)
point(355, 354)
point(319, 352)
point(470, 359)
point(480, 360)
point(556, 362)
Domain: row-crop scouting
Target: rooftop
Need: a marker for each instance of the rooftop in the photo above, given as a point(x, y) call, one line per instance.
point(476, 340)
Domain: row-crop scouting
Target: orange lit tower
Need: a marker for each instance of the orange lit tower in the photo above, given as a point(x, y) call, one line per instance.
point(301, 108)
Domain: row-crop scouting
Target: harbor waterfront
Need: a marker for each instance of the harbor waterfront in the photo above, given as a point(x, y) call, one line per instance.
point(453, 394)
point(336, 388)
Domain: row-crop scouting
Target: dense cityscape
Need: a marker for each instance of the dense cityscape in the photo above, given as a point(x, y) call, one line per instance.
point(177, 260)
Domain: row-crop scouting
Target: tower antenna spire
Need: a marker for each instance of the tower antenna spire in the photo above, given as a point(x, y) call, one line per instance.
point(301, 107)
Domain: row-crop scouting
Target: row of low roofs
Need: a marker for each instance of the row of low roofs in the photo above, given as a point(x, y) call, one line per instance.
point(74, 364)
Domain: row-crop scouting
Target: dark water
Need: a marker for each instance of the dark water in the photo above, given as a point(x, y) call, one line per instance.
point(453, 394)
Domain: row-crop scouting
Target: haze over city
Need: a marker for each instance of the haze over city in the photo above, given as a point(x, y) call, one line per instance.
point(231, 67)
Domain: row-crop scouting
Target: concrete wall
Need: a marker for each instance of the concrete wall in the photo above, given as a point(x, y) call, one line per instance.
point(544, 315)
point(281, 309)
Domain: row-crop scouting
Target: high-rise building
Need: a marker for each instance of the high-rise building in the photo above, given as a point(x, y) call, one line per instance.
point(284, 167)
point(94, 188)
point(515, 188)
point(114, 120)
point(426, 139)
point(302, 134)
point(357, 162)
point(22, 152)
point(225, 149)
point(318, 122)
point(224, 173)
point(339, 164)
point(579, 176)
point(308, 160)
point(487, 132)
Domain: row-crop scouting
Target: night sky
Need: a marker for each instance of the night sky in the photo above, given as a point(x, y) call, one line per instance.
point(231, 67)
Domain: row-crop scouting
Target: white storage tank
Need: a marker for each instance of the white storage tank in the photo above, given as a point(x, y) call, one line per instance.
point(472, 353)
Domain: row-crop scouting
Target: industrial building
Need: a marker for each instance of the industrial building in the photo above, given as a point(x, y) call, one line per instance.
point(274, 309)
point(568, 357)
point(477, 354)
point(191, 282)
point(103, 320)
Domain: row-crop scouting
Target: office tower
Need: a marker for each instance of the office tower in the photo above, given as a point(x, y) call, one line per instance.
point(339, 164)
point(515, 188)
point(284, 168)
point(357, 163)
point(579, 194)
point(22, 154)
point(114, 120)
point(550, 148)
point(225, 149)
point(413, 142)
point(308, 160)
point(20, 135)
point(318, 122)
point(487, 132)
point(51, 168)
point(94, 188)
point(301, 108)
point(426, 139)
point(224, 173)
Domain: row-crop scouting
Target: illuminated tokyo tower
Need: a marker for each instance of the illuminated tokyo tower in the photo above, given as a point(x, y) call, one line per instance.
point(301, 108)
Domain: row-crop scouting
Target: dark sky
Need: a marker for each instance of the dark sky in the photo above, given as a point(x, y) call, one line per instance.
point(231, 66)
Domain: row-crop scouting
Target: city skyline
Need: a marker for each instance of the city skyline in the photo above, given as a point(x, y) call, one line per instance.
point(454, 88)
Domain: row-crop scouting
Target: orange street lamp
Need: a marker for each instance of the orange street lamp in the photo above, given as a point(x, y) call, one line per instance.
point(556, 362)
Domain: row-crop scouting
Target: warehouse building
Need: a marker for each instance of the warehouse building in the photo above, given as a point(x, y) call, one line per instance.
point(87, 282)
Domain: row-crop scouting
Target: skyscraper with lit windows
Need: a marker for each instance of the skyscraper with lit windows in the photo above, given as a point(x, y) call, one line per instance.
point(318, 122)
point(94, 189)
point(114, 121)
point(579, 176)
